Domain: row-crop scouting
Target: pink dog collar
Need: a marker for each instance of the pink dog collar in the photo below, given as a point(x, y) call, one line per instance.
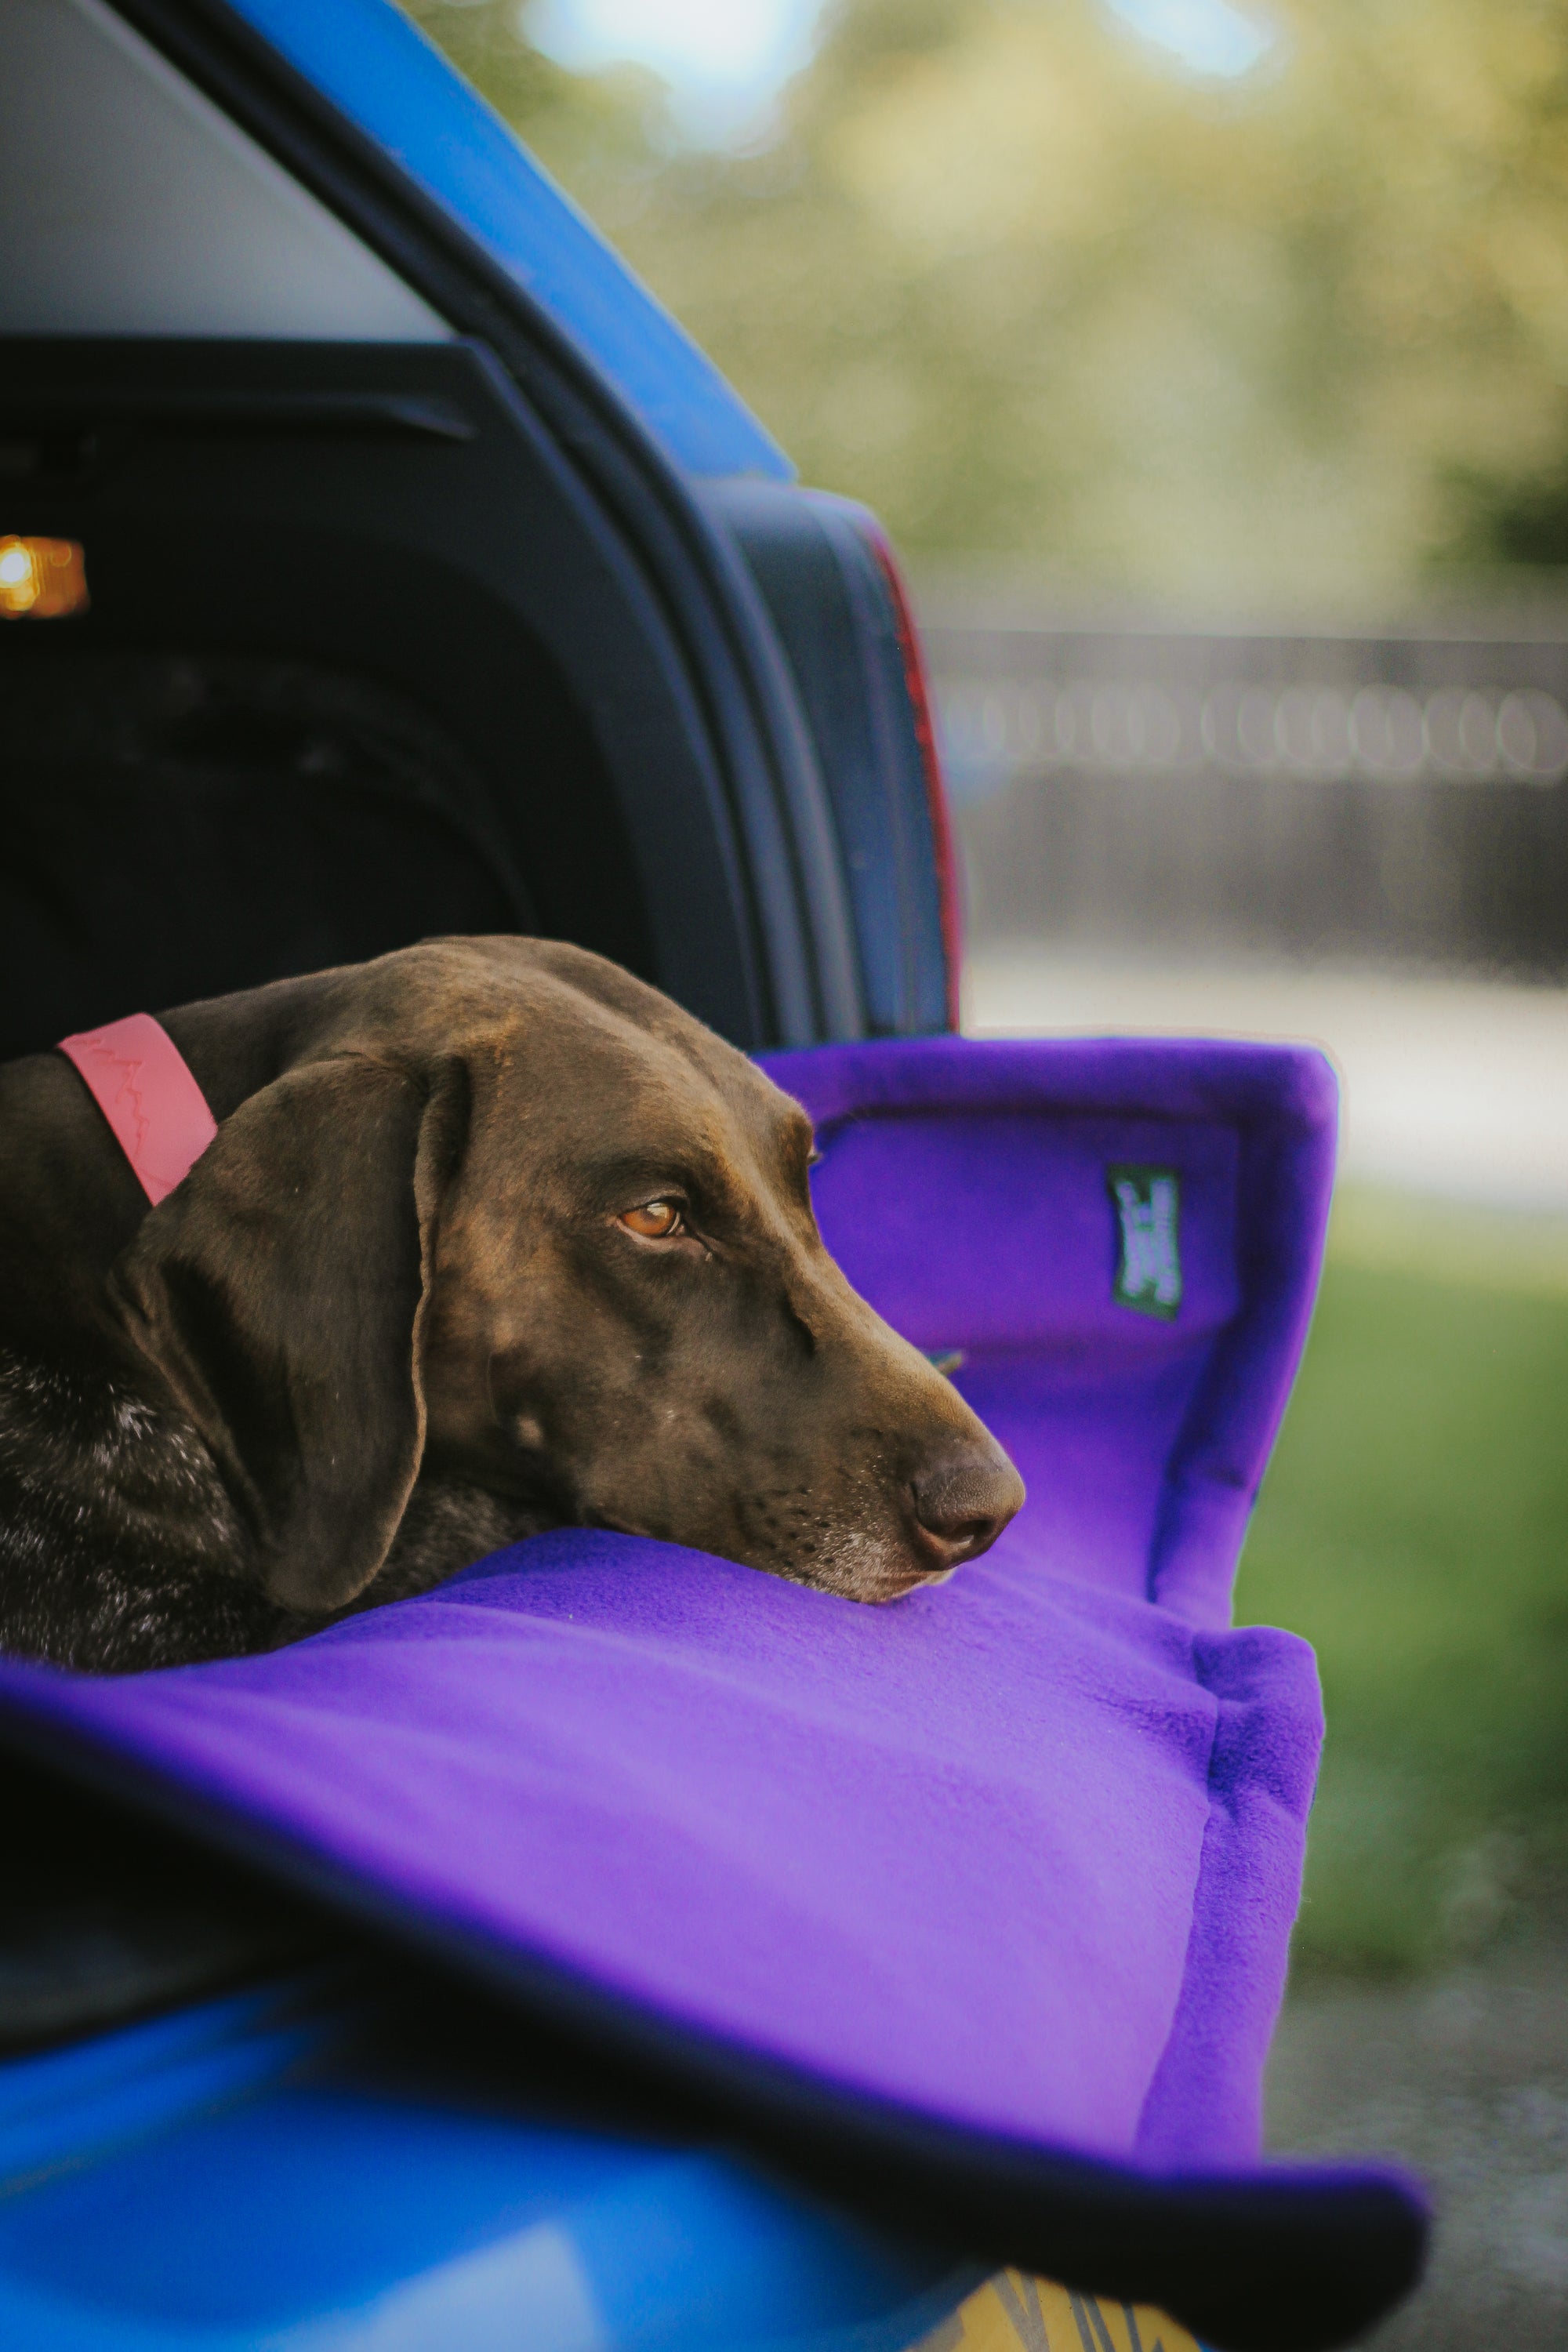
point(142, 1085)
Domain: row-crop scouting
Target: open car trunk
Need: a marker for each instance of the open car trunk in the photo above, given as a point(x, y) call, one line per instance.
point(405, 611)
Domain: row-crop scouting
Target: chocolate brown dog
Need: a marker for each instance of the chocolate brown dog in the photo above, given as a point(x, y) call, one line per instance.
point(492, 1238)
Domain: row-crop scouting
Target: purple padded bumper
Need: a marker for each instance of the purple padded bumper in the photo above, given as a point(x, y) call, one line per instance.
point(975, 1908)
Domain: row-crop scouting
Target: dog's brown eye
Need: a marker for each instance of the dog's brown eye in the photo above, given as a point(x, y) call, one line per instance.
point(655, 1221)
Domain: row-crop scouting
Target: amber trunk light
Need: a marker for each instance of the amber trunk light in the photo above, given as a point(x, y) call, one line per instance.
point(41, 579)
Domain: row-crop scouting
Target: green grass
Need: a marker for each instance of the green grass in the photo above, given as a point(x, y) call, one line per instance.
point(1413, 1526)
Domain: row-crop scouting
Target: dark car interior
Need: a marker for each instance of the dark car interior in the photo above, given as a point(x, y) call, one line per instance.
point(355, 669)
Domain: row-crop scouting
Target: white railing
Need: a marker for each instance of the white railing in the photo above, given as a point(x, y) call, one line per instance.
point(995, 729)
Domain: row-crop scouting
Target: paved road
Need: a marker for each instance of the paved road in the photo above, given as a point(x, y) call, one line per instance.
point(1456, 1089)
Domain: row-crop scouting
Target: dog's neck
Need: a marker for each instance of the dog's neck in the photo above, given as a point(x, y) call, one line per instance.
point(92, 1457)
point(111, 1515)
point(114, 1522)
point(69, 1203)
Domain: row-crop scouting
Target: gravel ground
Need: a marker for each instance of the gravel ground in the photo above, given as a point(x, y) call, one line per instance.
point(1465, 2079)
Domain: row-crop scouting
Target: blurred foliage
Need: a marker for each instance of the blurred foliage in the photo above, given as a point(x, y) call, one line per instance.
point(1295, 341)
point(1413, 1526)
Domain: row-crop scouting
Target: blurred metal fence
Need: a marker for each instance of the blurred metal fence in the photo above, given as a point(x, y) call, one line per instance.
point(1399, 798)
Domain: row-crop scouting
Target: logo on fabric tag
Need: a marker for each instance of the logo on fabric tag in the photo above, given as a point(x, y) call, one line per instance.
point(1148, 1208)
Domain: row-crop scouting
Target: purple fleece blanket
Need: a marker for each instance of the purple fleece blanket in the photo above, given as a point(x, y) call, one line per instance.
point(997, 1882)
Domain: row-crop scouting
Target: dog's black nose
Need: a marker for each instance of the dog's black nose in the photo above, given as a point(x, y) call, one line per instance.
point(963, 1506)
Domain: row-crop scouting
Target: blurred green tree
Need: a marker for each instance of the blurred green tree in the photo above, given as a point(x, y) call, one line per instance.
point(1294, 341)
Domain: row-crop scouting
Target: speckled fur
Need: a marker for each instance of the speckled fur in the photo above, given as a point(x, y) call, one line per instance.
point(115, 1530)
point(121, 1549)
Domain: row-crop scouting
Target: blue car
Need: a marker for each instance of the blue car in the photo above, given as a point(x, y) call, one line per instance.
point(378, 560)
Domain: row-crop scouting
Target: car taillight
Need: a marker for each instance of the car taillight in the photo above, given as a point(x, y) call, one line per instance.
point(41, 579)
point(943, 844)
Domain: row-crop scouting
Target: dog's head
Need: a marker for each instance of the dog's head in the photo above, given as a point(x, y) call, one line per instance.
point(507, 1214)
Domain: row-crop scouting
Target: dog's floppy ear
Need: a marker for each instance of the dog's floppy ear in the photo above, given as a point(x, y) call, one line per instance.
point(280, 1290)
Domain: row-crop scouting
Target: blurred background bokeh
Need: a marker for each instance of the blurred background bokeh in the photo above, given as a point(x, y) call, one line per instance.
point(1210, 367)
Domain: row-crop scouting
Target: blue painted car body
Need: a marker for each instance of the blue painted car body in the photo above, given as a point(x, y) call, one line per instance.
point(250, 2171)
point(381, 74)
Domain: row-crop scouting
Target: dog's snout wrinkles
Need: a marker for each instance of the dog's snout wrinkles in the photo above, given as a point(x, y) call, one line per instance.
point(962, 1506)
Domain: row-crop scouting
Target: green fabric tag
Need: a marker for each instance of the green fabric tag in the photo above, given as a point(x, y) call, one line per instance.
point(1148, 1207)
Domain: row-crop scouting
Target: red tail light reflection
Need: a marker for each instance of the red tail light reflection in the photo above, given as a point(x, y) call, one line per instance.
point(948, 896)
